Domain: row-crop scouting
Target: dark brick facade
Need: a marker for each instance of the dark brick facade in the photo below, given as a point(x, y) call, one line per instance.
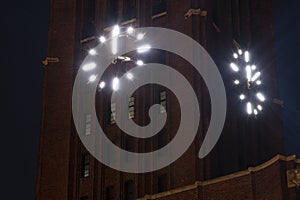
point(266, 181)
point(244, 141)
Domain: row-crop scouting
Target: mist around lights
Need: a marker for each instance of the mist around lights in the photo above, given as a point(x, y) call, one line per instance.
point(122, 88)
point(116, 32)
point(247, 79)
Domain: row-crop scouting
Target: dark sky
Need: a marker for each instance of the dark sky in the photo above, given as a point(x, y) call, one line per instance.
point(24, 26)
point(287, 33)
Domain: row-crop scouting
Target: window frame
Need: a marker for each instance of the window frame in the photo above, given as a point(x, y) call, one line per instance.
point(129, 193)
point(85, 165)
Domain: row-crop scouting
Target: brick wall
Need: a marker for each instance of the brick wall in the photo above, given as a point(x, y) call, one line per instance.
point(264, 182)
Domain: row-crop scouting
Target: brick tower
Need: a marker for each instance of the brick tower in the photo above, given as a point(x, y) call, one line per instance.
point(68, 171)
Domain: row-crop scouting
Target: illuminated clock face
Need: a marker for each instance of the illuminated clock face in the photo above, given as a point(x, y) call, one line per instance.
point(247, 78)
point(116, 32)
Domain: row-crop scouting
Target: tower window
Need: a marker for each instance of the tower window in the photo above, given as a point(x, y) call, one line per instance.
point(110, 193)
point(113, 113)
point(131, 107)
point(163, 101)
point(85, 169)
point(158, 6)
point(88, 124)
point(129, 190)
point(129, 143)
point(162, 183)
point(161, 139)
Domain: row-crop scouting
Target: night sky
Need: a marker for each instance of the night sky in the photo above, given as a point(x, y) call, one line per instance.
point(24, 27)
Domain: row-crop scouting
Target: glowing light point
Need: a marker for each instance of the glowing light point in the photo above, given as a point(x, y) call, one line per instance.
point(116, 31)
point(130, 30)
point(234, 67)
point(140, 36)
point(256, 75)
point(92, 78)
point(255, 112)
point(102, 39)
point(235, 55)
point(124, 58)
point(253, 67)
point(258, 82)
point(102, 84)
point(92, 52)
point(115, 84)
point(127, 59)
point(240, 51)
point(139, 62)
point(260, 96)
point(143, 48)
point(248, 72)
point(236, 82)
point(249, 108)
point(242, 97)
point(89, 66)
point(129, 76)
point(247, 56)
point(259, 107)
